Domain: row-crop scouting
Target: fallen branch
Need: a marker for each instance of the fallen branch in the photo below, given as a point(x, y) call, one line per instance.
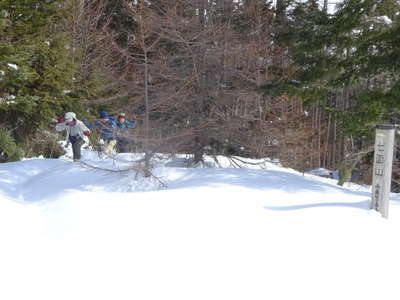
point(139, 170)
point(233, 158)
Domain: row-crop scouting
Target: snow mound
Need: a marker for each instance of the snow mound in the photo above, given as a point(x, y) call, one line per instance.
point(220, 230)
point(38, 180)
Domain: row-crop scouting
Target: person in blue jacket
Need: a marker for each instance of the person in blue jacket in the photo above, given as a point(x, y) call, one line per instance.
point(105, 127)
point(123, 126)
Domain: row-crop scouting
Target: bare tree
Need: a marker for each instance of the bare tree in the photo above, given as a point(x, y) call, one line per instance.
point(86, 25)
point(191, 72)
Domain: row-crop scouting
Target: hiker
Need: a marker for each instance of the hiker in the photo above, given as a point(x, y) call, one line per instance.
point(123, 126)
point(105, 127)
point(77, 133)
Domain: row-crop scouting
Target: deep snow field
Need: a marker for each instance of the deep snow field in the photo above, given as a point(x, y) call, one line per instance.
point(215, 232)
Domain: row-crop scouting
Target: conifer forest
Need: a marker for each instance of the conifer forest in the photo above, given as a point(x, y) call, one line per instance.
point(304, 82)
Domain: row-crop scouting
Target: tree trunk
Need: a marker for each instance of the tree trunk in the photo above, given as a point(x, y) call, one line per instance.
point(281, 11)
point(325, 9)
point(146, 121)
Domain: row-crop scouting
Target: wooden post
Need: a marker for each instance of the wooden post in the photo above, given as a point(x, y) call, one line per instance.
point(382, 171)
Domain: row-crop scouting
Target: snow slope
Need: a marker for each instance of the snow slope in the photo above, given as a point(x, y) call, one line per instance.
point(217, 232)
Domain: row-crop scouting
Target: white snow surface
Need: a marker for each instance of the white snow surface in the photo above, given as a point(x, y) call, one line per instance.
point(68, 231)
point(384, 20)
point(12, 66)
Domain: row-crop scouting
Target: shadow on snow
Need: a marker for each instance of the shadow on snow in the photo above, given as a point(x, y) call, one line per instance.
point(359, 205)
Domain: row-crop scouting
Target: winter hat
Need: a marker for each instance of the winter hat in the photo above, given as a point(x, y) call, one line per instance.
point(121, 115)
point(69, 116)
point(103, 115)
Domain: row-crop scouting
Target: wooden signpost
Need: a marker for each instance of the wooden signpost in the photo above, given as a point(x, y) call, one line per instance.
point(382, 171)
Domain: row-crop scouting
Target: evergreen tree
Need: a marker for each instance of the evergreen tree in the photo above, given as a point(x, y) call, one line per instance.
point(354, 50)
point(36, 74)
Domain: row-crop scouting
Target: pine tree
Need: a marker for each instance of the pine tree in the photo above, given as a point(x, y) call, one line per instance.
point(354, 50)
point(36, 73)
point(366, 55)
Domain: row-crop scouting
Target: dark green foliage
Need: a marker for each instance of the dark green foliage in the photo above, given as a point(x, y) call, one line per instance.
point(121, 22)
point(37, 73)
point(9, 151)
point(356, 49)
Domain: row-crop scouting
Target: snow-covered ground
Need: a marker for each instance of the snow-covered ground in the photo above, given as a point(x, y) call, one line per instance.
point(68, 231)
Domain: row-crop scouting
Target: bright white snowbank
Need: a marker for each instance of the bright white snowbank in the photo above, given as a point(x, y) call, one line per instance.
point(263, 232)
